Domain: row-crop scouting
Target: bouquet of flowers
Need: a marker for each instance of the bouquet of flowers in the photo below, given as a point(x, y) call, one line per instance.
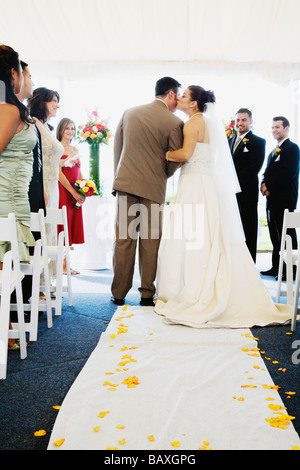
point(230, 129)
point(95, 131)
point(87, 188)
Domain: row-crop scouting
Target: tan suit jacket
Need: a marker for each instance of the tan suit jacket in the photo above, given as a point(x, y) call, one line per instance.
point(143, 136)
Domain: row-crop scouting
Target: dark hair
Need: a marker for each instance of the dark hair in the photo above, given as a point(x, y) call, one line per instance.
point(284, 120)
point(9, 59)
point(245, 111)
point(201, 96)
point(61, 127)
point(23, 65)
point(37, 103)
point(166, 84)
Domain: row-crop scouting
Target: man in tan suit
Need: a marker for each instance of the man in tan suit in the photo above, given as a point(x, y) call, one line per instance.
point(144, 134)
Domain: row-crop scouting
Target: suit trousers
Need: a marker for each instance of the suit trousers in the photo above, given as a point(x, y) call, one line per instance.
point(249, 217)
point(138, 223)
point(275, 223)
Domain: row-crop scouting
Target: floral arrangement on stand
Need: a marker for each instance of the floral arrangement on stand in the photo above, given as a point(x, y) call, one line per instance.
point(87, 188)
point(230, 129)
point(95, 133)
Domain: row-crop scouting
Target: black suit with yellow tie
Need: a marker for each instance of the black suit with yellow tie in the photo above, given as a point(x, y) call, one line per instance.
point(248, 158)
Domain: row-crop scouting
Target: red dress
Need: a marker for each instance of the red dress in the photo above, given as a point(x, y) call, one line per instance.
point(75, 221)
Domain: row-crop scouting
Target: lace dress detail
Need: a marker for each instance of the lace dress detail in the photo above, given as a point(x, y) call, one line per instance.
point(200, 162)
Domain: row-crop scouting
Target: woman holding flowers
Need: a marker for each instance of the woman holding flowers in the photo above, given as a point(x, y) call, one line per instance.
point(69, 173)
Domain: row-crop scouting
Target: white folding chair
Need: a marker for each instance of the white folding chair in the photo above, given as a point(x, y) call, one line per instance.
point(7, 286)
point(38, 265)
point(287, 254)
point(58, 253)
point(11, 281)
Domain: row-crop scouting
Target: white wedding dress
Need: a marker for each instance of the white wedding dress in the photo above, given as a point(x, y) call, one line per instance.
point(206, 276)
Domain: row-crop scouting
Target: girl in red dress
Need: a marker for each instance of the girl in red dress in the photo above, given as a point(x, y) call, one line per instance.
point(69, 173)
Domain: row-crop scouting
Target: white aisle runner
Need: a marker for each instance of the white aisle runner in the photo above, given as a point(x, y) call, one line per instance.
point(148, 385)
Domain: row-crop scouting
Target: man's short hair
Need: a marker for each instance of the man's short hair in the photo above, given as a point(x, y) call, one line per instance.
point(245, 110)
point(285, 121)
point(166, 84)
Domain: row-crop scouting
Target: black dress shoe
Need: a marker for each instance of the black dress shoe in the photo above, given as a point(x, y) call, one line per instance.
point(117, 301)
point(270, 272)
point(147, 302)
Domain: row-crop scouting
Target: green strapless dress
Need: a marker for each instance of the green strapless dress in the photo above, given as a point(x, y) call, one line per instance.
point(15, 174)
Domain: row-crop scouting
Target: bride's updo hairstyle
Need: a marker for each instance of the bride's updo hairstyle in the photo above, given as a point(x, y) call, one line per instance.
point(201, 96)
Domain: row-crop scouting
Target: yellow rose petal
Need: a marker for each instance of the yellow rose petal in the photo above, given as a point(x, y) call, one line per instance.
point(40, 433)
point(122, 441)
point(175, 444)
point(120, 426)
point(96, 428)
point(151, 438)
point(59, 442)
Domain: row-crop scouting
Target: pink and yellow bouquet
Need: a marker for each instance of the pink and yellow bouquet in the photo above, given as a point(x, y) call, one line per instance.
point(87, 188)
point(95, 131)
point(230, 129)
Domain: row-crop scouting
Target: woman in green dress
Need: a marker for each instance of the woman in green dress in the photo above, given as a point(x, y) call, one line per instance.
point(17, 140)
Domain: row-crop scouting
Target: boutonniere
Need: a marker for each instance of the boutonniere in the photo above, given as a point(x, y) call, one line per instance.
point(277, 152)
point(245, 140)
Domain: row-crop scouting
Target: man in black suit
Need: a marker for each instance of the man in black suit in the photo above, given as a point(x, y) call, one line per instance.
point(280, 186)
point(248, 152)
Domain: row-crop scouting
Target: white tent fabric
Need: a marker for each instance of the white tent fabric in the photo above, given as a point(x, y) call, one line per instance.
point(208, 35)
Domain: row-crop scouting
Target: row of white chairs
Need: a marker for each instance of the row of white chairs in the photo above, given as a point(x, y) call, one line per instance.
point(290, 257)
point(14, 271)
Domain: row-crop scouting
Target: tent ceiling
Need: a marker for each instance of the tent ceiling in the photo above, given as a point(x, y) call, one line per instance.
point(65, 32)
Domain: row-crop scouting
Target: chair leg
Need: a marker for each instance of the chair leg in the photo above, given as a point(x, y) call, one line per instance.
point(280, 270)
point(296, 297)
point(4, 325)
point(21, 323)
point(34, 313)
point(69, 280)
point(48, 297)
point(289, 271)
point(59, 286)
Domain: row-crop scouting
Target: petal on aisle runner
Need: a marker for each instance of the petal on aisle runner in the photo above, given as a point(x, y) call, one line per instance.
point(149, 385)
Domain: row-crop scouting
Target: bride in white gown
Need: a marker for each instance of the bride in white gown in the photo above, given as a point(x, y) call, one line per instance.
point(206, 276)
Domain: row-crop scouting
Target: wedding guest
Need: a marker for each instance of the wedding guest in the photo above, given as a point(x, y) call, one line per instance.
point(142, 137)
point(280, 186)
point(36, 186)
point(248, 152)
point(17, 140)
point(69, 173)
point(43, 106)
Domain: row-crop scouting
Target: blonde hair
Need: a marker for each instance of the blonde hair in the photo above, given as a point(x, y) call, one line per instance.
point(63, 123)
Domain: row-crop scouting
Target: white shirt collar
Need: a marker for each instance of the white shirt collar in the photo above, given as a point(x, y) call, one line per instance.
point(242, 136)
point(281, 142)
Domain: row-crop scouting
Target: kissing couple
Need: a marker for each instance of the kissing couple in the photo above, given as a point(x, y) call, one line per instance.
point(194, 249)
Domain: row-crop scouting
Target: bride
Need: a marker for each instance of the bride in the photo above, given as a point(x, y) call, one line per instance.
point(206, 276)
